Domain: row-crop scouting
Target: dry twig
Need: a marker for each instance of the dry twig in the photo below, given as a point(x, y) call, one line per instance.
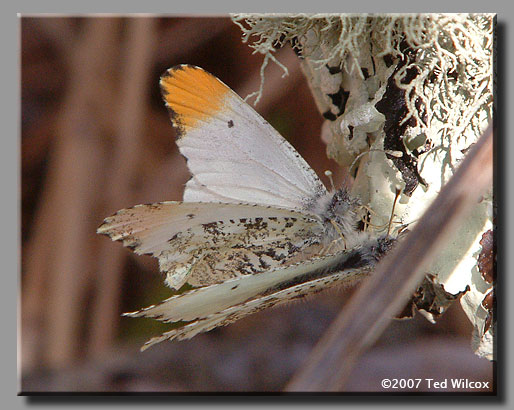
point(134, 95)
point(373, 305)
point(58, 263)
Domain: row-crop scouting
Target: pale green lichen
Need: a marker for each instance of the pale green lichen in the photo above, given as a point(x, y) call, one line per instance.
point(446, 45)
point(444, 65)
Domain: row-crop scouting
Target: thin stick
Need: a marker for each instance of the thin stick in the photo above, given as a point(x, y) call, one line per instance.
point(75, 163)
point(392, 211)
point(371, 308)
point(134, 90)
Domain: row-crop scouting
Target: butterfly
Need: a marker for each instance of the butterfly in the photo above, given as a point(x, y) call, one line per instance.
point(256, 227)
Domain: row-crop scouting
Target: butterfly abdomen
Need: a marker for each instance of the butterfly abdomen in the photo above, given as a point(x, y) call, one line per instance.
point(359, 260)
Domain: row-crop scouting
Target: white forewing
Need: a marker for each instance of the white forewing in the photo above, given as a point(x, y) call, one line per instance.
point(233, 154)
point(206, 243)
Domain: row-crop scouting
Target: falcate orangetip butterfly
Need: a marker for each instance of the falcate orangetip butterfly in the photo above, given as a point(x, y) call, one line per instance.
point(256, 228)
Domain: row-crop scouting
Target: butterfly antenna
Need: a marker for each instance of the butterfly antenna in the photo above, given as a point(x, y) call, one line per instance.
point(398, 191)
point(329, 174)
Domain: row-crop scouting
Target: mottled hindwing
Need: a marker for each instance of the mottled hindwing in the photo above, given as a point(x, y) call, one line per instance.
point(208, 243)
point(233, 313)
point(203, 309)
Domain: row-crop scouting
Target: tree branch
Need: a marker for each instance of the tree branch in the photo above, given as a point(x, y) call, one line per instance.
point(397, 277)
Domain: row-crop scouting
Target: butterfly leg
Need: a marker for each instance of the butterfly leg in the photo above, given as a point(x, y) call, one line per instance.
point(338, 229)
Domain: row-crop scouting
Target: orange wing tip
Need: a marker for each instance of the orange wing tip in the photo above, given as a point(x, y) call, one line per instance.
point(192, 95)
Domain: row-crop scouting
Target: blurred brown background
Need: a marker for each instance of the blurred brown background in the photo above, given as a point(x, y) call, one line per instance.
point(96, 137)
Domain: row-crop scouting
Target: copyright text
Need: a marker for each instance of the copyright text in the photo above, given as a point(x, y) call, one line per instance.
point(435, 384)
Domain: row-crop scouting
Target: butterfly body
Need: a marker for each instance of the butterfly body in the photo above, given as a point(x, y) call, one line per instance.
point(338, 209)
point(257, 226)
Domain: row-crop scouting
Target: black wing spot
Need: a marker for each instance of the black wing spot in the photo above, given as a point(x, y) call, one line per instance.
point(230, 123)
